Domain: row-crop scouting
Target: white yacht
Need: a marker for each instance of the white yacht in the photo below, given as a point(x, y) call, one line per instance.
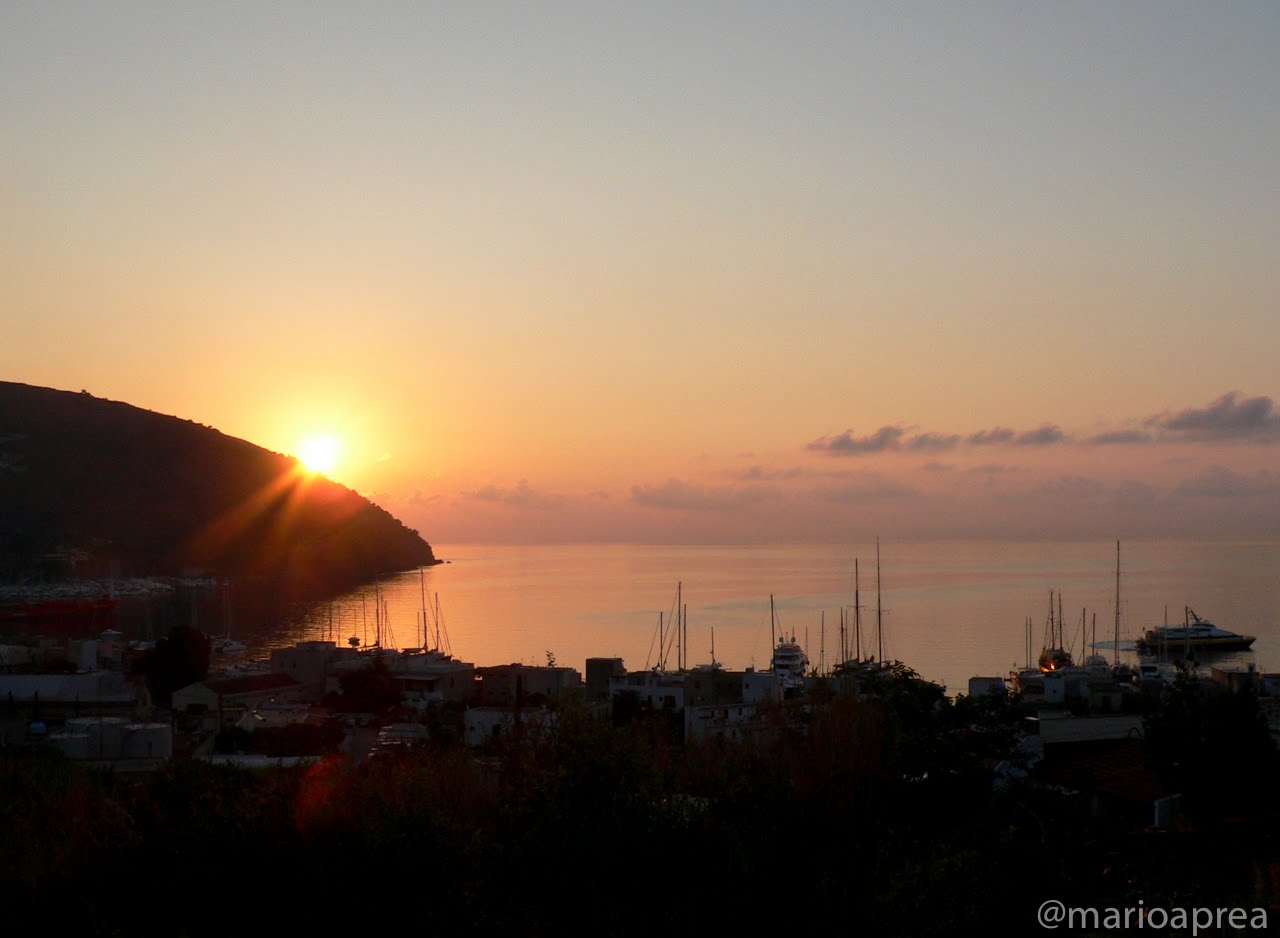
point(790, 663)
point(1194, 633)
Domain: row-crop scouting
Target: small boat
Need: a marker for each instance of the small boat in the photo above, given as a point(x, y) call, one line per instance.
point(227, 647)
point(1196, 633)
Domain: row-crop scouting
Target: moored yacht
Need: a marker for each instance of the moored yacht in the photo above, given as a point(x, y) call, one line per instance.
point(790, 662)
point(1196, 633)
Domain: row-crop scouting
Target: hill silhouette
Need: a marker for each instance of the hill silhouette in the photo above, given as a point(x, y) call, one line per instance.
point(89, 485)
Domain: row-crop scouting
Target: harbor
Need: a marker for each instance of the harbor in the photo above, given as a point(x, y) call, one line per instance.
point(1153, 773)
point(685, 647)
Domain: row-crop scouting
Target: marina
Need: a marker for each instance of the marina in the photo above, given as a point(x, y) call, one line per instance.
point(951, 609)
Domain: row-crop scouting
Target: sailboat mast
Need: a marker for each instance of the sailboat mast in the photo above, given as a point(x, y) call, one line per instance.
point(773, 631)
point(822, 643)
point(662, 646)
point(857, 611)
point(1115, 654)
point(879, 620)
point(679, 626)
point(1062, 636)
point(422, 584)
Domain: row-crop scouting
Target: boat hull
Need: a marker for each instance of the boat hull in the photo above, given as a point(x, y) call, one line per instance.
point(1216, 643)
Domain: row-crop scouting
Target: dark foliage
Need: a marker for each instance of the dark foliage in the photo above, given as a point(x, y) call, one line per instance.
point(179, 659)
point(1213, 746)
point(101, 484)
point(852, 827)
point(367, 690)
point(296, 739)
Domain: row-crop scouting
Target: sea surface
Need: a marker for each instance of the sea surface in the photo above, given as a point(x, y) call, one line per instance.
point(948, 609)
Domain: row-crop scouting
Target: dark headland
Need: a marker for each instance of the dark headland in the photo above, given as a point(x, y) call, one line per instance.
point(96, 487)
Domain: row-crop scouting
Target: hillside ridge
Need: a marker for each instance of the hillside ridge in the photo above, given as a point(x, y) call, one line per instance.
point(89, 486)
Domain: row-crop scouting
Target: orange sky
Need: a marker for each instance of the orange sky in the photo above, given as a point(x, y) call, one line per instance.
point(600, 272)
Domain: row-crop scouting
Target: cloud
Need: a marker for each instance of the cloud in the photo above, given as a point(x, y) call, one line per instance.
point(519, 497)
point(1220, 482)
point(1073, 487)
point(989, 437)
point(417, 500)
point(385, 457)
point(933, 442)
point(990, 469)
point(1229, 417)
point(871, 486)
point(846, 444)
point(683, 496)
point(763, 474)
point(938, 467)
point(1120, 436)
point(1131, 492)
point(988, 473)
point(1045, 435)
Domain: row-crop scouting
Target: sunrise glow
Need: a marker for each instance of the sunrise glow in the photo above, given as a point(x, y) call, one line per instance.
point(827, 272)
point(320, 453)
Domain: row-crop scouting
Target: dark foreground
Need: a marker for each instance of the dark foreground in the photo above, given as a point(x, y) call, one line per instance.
point(879, 820)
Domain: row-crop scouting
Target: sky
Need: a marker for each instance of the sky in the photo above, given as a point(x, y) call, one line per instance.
point(672, 272)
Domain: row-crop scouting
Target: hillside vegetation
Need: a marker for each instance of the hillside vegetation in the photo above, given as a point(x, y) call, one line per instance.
point(90, 485)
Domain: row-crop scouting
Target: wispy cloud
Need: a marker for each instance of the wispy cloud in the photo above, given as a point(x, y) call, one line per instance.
point(1230, 417)
point(766, 474)
point(870, 486)
point(1073, 487)
point(886, 438)
point(933, 442)
point(521, 496)
point(1120, 437)
point(677, 494)
point(1135, 493)
point(1046, 435)
point(1220, 482)
point(990, 469)
point(990, 437)
point(1128, 495)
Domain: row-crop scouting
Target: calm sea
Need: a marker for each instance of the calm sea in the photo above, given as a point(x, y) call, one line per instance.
point(948, 609)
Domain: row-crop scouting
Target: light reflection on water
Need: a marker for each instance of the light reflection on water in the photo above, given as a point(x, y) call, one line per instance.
point(951, 609)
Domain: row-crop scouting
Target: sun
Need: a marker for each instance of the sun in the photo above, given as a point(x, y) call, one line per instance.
point(319, 453)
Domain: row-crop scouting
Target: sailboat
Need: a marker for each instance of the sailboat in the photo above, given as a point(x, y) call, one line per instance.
point(1054, 657)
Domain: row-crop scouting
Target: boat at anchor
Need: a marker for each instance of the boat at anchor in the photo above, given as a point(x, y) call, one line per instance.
point(1194, 633)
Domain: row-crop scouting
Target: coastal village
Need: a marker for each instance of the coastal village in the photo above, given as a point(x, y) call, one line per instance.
point(93, 699)
point(182, 762)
